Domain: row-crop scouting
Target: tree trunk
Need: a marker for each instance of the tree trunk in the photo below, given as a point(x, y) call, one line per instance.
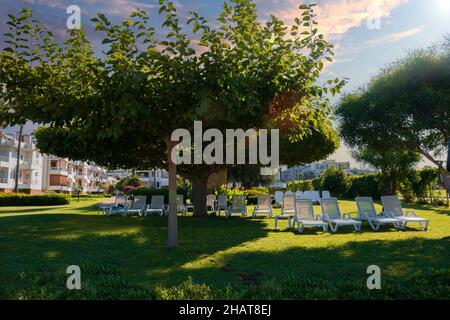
point(448, 157)
point(199, 193)
point(16, 185)
point(172, 238)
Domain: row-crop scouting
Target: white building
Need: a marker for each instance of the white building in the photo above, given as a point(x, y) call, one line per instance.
point(311, 170)
point(39, 173)
point(158, 178)
point(154, 178)
point(64, 175)
point(30, 165)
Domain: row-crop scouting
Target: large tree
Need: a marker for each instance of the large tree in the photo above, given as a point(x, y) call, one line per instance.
point(406, 107)
point(120, 109)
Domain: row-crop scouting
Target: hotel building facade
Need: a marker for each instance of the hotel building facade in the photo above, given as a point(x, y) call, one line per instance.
point(40, 173)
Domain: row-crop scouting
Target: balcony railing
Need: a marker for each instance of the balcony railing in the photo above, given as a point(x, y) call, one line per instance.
point(3, 180)
point(4, 159)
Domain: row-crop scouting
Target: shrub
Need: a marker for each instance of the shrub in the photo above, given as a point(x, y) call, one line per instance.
point(302, 185)
point(127, 189)
point(256, 191)
point(21, 199)
point(130, 181)
point(422, 182)
point(407, 192)
point(149, 192)
point(336, 181)
point(316, 184)
point(230, 192)
point(364, 186)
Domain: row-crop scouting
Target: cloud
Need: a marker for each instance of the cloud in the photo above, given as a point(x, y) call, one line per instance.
point(49, 3)
point(339, 16)
point(394, 37)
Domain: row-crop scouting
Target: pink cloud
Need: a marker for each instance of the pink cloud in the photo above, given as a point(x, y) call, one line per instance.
point(339, 16)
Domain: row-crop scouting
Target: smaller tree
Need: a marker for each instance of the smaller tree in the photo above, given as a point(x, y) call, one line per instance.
point(336, 181)
point(394, 165)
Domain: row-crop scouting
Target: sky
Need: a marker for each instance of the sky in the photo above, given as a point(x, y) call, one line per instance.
point(367, 34)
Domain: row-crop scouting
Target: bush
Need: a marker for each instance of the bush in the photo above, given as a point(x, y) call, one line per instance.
point(302, 185)
point(230, 192)
point(21, 199)
point(149, 192)
point(316, 184)
point(364, 186)
point(422, 182)
point(336, 181)
point(256, 191)
point(127, 189)
point(130, 181)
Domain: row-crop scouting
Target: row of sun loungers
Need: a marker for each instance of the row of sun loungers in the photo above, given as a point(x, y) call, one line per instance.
point(298, 212)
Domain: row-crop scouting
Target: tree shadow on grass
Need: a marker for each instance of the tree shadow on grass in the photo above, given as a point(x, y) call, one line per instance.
point(57, 209)
point(40, 244)
point(131, 253)
point(437, 209)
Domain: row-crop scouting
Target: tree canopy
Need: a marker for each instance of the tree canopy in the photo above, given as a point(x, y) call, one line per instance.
point(127, 102)
point(405, 107)
point(119, 108)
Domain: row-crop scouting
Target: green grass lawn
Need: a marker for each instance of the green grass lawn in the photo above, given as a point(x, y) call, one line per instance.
point(126, 257)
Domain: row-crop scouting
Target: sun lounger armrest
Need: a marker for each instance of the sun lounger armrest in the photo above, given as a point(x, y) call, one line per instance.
point(363, 216)
point(387, 214)
point(410, 212)
point(347, 216)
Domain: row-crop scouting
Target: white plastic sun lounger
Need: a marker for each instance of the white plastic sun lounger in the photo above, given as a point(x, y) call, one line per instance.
point(279, 197)
point(222, 203)
point(392, 207)
point(210, 202)
point(181, 208)
point(288, 210)
point(138, 206)
point(307, 195)
point(238, 206)
point(299, 195)
point(315, 197)
point(120, 207)
point(106, 205)
point(332, 215)
point(304, 216)
point(367, 212)
point(156, 206)
point(326, 194)
point(264, 206)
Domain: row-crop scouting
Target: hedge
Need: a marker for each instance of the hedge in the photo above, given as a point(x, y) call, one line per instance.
point(364, 186)
point(256, 191)
point(22, 199)
point(149, 192)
